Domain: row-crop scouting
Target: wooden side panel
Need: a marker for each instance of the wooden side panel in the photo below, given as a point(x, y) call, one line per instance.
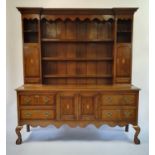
point(31, 62)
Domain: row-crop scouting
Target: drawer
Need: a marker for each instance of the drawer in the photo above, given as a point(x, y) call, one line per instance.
point(118, 99)
point(118, 115)
point(37, 114)
point(41, 99)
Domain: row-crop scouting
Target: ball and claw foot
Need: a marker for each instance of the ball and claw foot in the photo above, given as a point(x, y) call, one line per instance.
point(136, 139)
point(19, 139)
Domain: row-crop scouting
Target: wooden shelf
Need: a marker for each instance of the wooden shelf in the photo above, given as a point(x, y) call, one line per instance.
point(77, 59)
point(69, 40)
point(30, 31)
point(77, 76)
point(124, 31)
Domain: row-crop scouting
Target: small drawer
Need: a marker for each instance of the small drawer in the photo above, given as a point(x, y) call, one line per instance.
point(37, 114)
point(118, 99)
point(118, 115)
point(41, 99)
point(27, 100)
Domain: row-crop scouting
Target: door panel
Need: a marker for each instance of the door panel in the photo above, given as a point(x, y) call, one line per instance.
point(31, 61)
point(67, 106)
point(88, 106)
point(123, 61)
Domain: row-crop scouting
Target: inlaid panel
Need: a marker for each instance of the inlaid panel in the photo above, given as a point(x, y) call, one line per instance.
point(31, 60)
point(67, 106)
point(88, 106)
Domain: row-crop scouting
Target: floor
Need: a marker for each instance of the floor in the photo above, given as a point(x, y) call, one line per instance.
point(74, 141)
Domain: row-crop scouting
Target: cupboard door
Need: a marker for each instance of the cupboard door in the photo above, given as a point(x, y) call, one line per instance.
point(88, 106)
point(123, 63)
point(31, 63)
point(67, 106)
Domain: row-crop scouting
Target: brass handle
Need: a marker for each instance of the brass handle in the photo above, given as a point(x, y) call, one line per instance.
point(28, 114)
point(109, 99)
point(46, 100)
point(27, 100)
point(46, 114)
point(109, 114)
point(127, 113)
point(126, 99)
point(36, 96)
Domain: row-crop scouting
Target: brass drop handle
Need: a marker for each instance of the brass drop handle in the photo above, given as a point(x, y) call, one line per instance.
point(27, 100)
point(109, 99)
point(46, 114)
point(109, 114)
point(127, 113)
point(46, 100)
point(28, 114)
point(126, 99)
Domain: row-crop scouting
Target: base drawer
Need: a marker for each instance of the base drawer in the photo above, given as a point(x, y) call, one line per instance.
point(37, 114)
point(118, 115)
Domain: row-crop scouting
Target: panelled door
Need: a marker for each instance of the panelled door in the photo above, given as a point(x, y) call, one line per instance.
point(88, 106)
point(31, 63)
point(123, 64)
point(71, 106)
point(67, 106)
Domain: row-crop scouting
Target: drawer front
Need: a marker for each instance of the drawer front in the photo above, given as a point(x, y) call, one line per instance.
point(118, 115)
point(119, 99)
point(41, 99)
point(37, 114)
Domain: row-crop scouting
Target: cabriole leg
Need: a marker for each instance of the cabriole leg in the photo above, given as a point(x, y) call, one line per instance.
point(137, 129)
point(19, 139)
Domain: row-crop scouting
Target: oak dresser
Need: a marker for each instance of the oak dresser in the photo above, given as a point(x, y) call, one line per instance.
point(77, 69)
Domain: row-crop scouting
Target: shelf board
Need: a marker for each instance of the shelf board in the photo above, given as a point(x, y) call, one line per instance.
point(77, 76)
point(30, 31)
point(124, 31)
point(77, 59)
point(74, 40)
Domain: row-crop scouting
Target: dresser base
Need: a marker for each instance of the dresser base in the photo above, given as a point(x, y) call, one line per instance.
point(113, 105)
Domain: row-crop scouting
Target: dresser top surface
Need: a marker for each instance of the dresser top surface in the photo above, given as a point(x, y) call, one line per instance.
point(40, 87)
